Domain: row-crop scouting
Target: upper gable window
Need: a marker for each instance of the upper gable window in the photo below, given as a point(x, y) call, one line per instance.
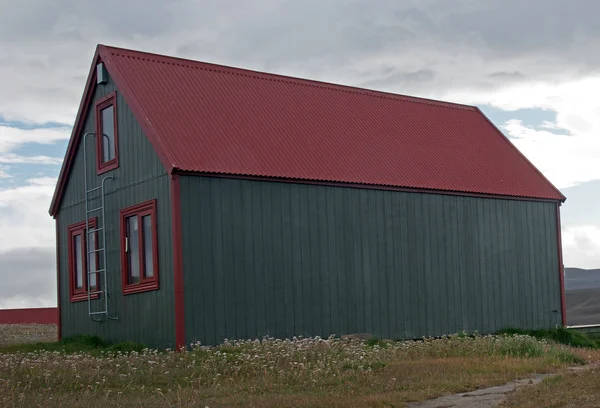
point(107, 138)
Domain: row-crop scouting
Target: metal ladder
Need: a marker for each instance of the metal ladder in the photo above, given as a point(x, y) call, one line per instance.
point(100, 269)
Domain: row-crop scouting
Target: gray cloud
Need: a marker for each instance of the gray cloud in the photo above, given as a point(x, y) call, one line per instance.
point(28, 275)
point(47, 47)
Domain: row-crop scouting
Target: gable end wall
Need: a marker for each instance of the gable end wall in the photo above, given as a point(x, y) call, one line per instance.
point(145, 317)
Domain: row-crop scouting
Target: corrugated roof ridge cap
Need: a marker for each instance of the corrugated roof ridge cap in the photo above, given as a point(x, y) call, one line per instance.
point(265, 76)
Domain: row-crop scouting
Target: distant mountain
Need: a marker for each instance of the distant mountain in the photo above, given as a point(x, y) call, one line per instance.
point(576, 278)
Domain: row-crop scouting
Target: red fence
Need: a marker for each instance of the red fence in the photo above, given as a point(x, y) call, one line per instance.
point(43, 315)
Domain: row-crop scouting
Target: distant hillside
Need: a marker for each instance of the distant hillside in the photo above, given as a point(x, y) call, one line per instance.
point(582, 289)
point(583, 307)
point(576, 278)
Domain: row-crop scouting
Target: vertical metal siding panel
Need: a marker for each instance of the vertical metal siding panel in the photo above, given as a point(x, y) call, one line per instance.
point(529, 265)
point(411, 238)
point(248, 273)
point(438, 270)
point(463, 272)
point(297, 271)
point(382, 265)
point(399, 282)
point(442, 240)
point(239, 264)
point(448, 271)
point(313, 253)
point(270, 305)
point(344, 271)
point(492, 233)
point(510, 266)
point(521, 267)
point(540, 266)
point(544, 267)
point(218, 253)
point(323, 264)
point(228, 254)
point(287, 263)
point(375, 309)
point(279, 294)
point(333, 260)
point(365, 268)
point(204, 195)
point(495, 229)
point(306, 238)
point(472, 266)
point(408, 274)
point(483, 267)
point(355, 202)
point(430, 283)
point(514, 264)
point(259, 256)
point(456, 265)
point(392, 273)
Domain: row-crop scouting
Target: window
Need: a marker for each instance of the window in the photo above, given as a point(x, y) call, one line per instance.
point(139, 248)
point(79, 264)
point(107, 138)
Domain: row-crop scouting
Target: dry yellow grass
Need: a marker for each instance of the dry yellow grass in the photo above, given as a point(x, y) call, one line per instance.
point(272, 373)
point(576, 390)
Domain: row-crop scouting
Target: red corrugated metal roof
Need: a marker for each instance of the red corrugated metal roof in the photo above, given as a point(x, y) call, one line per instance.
point(209, 118)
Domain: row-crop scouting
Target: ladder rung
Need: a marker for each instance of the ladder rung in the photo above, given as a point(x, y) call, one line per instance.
point(97, 292)
point(94, 189)
point(91, 231)
point(97, 313)
point(93, 251)
point(97, 271)
point(94, 209)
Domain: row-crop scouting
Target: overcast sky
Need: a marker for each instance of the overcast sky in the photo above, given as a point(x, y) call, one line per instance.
point(531, 65)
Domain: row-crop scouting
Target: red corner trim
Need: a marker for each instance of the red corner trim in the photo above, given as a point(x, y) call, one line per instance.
point(59, 326)
point(177, 262)
point(561, 269)
point(145, 284)
point(101, 166)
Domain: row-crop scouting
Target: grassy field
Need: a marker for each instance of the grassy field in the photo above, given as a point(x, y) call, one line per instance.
point(270, 373)
point(27, 333)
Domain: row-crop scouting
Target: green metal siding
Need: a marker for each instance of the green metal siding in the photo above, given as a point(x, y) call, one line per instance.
point(283, 259)
point(146, 317)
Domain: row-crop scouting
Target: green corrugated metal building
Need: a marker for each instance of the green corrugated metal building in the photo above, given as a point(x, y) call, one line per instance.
point(227, 203)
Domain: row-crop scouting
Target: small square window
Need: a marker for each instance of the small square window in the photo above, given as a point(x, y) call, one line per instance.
point(107, 139)
point(80, 281)
point(139, 248)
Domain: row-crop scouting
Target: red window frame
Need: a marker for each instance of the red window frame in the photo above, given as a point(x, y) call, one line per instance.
point(101, 167)
point(78, 295)
point(146, 283)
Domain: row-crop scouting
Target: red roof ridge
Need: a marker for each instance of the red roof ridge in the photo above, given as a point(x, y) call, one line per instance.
point(267, 76)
